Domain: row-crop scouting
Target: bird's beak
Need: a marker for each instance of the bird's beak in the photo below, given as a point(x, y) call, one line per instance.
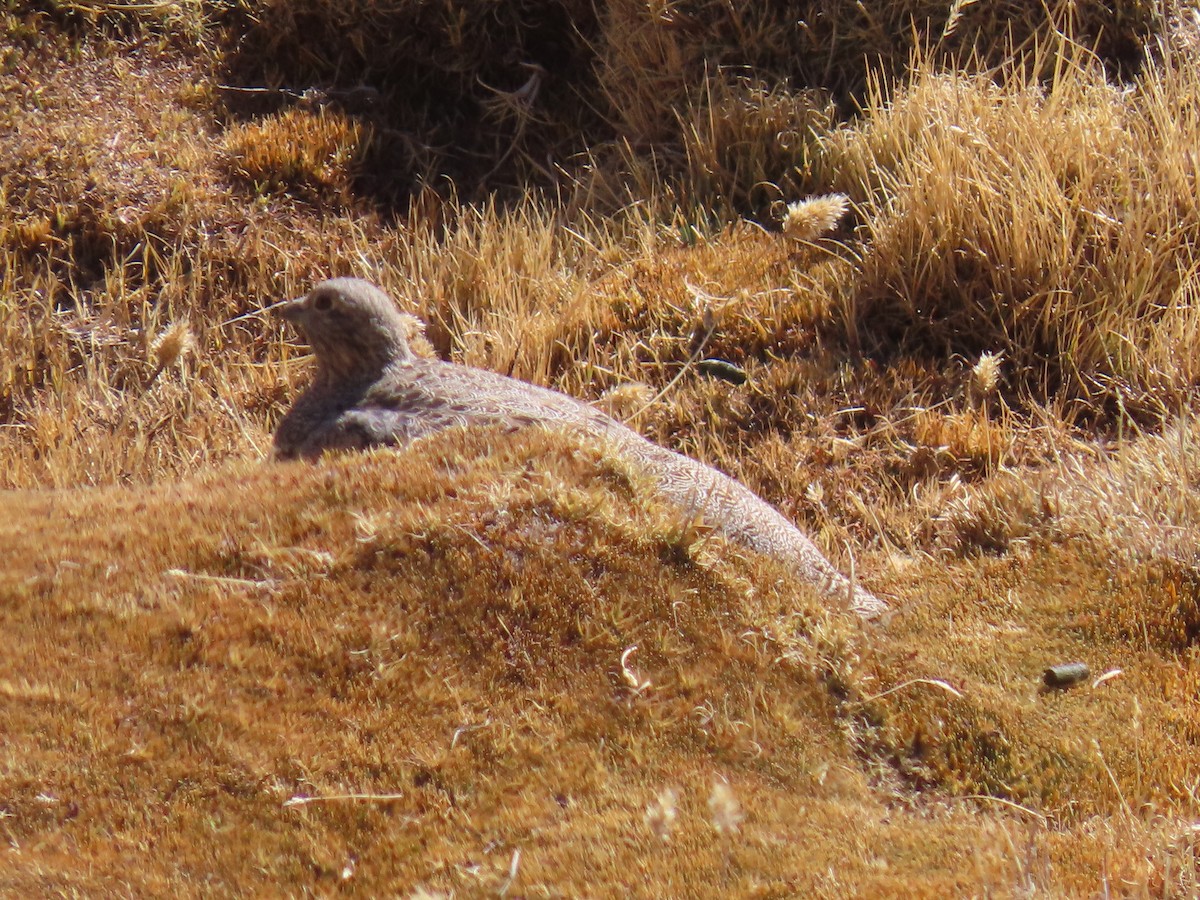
point(291, 310)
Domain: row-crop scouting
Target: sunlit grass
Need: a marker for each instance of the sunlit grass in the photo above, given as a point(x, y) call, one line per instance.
point(964, 322)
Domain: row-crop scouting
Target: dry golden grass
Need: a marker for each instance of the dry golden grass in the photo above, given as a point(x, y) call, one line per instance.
point(313, 154)
point(394, 674)
point(1084, 272)
point(971, 381)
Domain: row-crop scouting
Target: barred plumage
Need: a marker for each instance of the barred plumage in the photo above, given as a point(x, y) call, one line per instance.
point(370, 389)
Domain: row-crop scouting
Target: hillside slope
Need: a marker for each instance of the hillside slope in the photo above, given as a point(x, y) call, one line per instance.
point(413, 670)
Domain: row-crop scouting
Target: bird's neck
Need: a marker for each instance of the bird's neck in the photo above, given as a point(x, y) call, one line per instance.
point(334, 377)
point(346, 366)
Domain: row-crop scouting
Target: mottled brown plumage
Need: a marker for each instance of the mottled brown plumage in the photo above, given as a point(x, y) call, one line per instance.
point(370, 389)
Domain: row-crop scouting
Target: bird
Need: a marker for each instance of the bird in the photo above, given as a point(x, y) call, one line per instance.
point(370, 389)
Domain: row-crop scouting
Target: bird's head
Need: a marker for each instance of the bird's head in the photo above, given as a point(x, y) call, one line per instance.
point(354, 328)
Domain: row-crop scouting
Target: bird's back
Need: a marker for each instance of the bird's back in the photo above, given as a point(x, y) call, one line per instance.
point(423, 396)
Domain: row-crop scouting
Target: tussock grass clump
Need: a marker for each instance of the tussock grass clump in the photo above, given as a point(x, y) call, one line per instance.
point(1054, 224)
point(480, 95)
point(1141, 500)
point(652, 54)
point(509, 289)
point(731, 123)
point(1008, 509)
point(311, 154)
point(711, 99)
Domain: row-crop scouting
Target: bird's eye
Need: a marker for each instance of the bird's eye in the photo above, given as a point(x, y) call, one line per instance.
point(322, 303)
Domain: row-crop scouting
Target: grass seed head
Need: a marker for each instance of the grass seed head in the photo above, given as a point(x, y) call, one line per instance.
point(662, 813)
point(726, 812)
point(985, 375)
point(172, 345)
point(807, 220)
